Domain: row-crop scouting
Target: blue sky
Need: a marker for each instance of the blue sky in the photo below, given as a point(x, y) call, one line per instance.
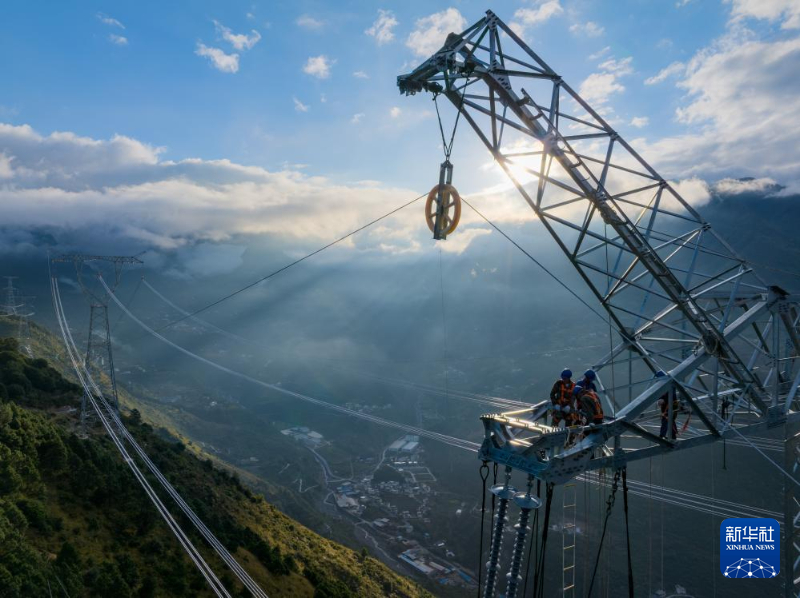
point(66, 74)
point(298, 100)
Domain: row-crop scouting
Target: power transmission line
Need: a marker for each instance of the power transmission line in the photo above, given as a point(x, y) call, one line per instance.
point(287, 266)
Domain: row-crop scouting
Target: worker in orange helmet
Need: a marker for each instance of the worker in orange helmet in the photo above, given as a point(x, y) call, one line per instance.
point(563, 404)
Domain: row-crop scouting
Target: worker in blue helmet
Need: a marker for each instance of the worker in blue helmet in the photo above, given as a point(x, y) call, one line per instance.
point(588, 404)
point(588, 380)
point(563, 404)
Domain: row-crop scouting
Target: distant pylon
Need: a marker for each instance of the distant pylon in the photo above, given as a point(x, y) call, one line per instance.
point(99, 354)
point(24, 326)
point(12, 305)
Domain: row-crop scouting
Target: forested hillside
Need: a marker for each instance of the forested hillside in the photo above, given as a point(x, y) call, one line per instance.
point(73, 521)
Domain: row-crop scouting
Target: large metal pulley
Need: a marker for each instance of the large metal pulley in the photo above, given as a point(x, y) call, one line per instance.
point(443, 207)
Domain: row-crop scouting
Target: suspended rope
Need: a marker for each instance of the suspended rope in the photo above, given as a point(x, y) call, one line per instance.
point(484, 473)
point(129, 302)
point(447, 147)
point(627, 529)
point(452, 441)
point(287, 266)
point(533, 542)
point(609, 507)
point(538, 579)
point(610, 327)
point(537, 262)
point(444, 331)
point(650, 531)
point(661, 467)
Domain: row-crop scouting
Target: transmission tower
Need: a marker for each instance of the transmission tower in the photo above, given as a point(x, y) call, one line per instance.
point(12, 304)
point(99, 353)
point(690, 319)
point(24, 325)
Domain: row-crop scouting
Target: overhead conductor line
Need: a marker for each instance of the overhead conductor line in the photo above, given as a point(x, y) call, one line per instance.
point(287, 266)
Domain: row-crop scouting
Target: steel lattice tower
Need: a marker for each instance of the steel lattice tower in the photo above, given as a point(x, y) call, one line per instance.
point(99, 352)
point(690, 318)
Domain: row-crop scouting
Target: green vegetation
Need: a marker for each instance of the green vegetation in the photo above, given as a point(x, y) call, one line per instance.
point(73, 521)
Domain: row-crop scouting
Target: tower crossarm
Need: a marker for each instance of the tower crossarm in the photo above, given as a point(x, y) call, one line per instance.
point(81, 257)
point(118, 262)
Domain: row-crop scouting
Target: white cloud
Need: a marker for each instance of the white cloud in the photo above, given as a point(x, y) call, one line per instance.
point(119, 189)
point(310, 23)
point(382, 28)
point(640, 121)
point(787, 11)
point(355, 120)
point(6, 171)
point(323, 99)
point(589, 29)
point(676, 68)
point(299, 106)
point(110, 21)
point(395, 112)
point(682, 3)
point(227, 63)
point(598, 87)
point(360, 75)
point(528, 17)
point(618, 67)
point(119, 40)
point(600, 53)
point(240, 41)
point(319, 66)
point(430, 32)
point(693, 190)
point(462, 238)
point(742, 107)
point(749, 185)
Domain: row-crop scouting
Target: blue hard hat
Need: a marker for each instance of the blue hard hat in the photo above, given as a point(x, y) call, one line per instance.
point(590, 374)
point(566, 374)
point(660, 374)
point(577, 390)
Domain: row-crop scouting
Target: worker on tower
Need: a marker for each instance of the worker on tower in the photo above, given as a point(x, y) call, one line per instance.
point(589, 404)
point(588, 381)
point(563, 408)
point(663, 405)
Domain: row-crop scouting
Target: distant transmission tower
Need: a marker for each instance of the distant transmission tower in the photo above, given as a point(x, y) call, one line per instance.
point(15, 307)
point(24, 325)
point(12, 305)
point(99, 354)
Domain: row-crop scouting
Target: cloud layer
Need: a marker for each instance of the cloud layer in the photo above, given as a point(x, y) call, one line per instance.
point(121, 188)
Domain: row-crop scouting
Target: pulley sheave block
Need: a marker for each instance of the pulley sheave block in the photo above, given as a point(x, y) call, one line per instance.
point(443, 208)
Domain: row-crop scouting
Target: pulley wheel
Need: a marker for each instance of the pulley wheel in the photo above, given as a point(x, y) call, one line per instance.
point(451, 209)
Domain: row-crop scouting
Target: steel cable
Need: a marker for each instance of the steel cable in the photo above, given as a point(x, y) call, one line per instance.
point(294, 263)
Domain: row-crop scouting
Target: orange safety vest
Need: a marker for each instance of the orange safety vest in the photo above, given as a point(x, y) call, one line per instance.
point(562, 392)
point(590, 397)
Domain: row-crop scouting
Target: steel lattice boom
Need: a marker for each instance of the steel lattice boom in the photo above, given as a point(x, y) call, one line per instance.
point(679, 299)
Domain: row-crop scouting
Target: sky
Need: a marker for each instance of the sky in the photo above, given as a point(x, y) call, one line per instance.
point(188, 127)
